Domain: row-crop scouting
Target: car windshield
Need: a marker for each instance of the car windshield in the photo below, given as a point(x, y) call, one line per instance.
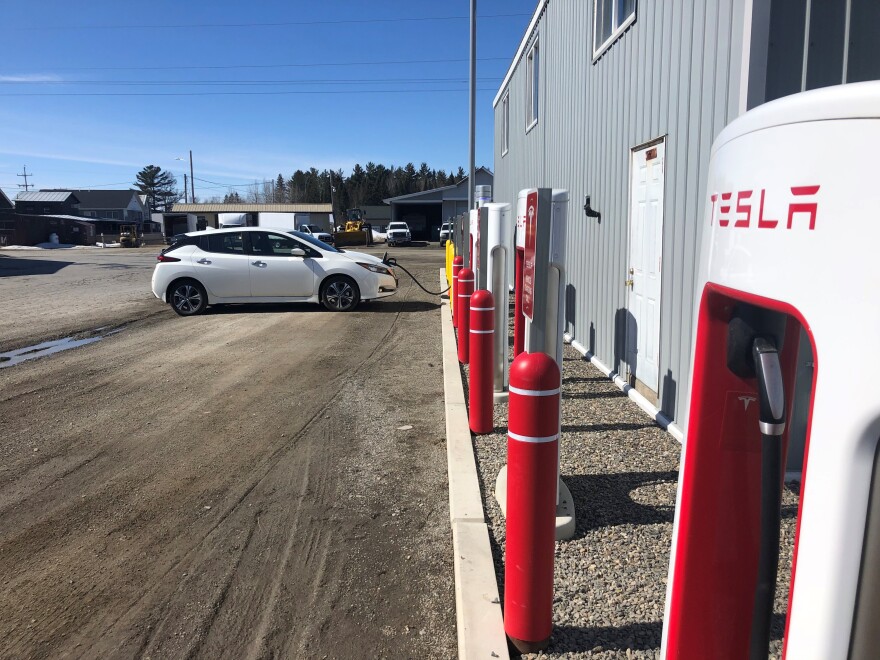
point(312, 227)
point(397, 225)
point(311, 240)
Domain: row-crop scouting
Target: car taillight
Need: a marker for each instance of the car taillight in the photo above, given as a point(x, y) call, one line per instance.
point(164, 258)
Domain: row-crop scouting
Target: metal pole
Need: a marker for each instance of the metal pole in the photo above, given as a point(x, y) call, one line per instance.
point(185, 190)
point(192, 179)
point(473, 102)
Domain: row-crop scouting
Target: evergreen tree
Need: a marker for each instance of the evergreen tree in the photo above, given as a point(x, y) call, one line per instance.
point(280, 190)
point(159, 186)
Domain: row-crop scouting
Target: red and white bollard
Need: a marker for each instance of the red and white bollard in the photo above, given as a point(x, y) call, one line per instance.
point(532, 454)
point(457, 265)
point(465, 290)
point(519, 321)
point(482, 376)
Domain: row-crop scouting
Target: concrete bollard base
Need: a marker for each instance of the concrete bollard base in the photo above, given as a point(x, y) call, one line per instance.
point(565, 515)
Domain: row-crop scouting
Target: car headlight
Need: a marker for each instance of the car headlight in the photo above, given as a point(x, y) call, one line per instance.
point(375, 268)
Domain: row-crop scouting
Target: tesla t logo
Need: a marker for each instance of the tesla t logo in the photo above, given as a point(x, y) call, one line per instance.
point(745, 208)
point(746, 400)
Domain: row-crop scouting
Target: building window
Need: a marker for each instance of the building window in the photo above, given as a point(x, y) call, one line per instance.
point(610, 19)
point(533, 86)
point(505, 124)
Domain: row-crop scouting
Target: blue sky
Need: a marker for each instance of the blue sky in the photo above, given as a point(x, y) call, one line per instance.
point(90, 92)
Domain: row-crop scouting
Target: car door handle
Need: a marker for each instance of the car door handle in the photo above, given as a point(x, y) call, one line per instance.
point(203, 261)
point(259, 263)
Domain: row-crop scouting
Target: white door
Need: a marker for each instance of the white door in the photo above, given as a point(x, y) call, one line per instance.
point(645, 263)
point(221, 264)
point(276, 274)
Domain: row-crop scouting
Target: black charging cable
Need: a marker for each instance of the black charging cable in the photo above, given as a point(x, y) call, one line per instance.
point(391, 261)
point(771, 396)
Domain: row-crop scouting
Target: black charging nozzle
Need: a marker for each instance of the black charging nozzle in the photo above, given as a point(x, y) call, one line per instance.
point(754, 355)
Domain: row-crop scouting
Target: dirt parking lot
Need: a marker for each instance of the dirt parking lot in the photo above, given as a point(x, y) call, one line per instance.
point(230, 485)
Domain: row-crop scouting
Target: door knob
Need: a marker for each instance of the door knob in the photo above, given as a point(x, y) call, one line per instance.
point(628, 283)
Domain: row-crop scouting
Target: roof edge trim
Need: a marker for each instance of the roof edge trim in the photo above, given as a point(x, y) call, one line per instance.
point(539, 10)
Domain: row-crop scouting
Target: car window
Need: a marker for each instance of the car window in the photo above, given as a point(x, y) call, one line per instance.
point(397, 225)
point(273, 245)
point(314, 241)
point(226, 243)
point(180, 240)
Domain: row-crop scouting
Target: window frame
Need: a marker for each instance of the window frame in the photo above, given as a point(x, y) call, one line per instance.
point(533, 84)
point(616, 31)
point(505, 123)
point(245, 243)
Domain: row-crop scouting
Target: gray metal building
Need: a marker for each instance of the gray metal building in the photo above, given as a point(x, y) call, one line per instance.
point(621, 100)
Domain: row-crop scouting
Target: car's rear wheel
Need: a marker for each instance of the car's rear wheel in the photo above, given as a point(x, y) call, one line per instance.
point(340, 294)
point(187, 297)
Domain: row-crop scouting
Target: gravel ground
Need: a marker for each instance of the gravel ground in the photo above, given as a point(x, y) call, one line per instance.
point(622, 469)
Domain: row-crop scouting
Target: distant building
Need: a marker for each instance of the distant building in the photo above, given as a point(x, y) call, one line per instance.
point(47, 203)
point(5, 203)
point(424, 212)
point(378, 215)
point(111, 208)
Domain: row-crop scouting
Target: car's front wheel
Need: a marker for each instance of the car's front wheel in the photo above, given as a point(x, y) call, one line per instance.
point(340, 294)
point(188, 297)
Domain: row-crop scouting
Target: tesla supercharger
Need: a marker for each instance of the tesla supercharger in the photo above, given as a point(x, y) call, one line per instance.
point(519, 322)
point(543, 305)
point(478, 220)
point(789, 255)
point(497, 242)
point(482, 195)
point(462, 238)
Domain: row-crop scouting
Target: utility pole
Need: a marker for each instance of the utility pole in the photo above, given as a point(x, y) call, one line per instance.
point(25, 185)
point(185, 190)
point(192, 178)
point(473, 102)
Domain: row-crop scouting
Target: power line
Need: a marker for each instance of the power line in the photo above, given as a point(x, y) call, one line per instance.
point(350, 21)
point(275, 93)
point(297, 81)
point(297, 65)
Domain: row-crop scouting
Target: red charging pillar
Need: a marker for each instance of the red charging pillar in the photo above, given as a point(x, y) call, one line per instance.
point(457, 265)
point(482, 377)
point(465, 290)
point(519, 321)
point(532, 453)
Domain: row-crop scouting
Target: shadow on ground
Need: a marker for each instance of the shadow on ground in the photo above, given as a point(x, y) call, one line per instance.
point(375, 307)
point(604, 500)
point(18, 267)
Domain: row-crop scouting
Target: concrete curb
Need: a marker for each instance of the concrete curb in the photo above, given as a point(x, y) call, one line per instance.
point(477, 605)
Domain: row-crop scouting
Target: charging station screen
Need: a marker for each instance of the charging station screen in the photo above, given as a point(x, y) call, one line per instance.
point(528, 283)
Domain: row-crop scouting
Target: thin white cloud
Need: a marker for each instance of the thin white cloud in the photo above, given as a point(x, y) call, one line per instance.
point(30, 77)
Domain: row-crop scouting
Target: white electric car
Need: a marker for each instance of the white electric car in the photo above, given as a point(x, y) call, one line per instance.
point(258, 264)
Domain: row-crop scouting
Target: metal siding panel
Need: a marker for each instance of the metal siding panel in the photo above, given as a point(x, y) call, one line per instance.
point(648, 83)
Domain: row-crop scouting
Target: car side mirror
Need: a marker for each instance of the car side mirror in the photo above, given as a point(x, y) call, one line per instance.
point(297, 252)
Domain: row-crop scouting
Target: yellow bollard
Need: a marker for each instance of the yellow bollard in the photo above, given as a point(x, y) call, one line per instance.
point(450, 255)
